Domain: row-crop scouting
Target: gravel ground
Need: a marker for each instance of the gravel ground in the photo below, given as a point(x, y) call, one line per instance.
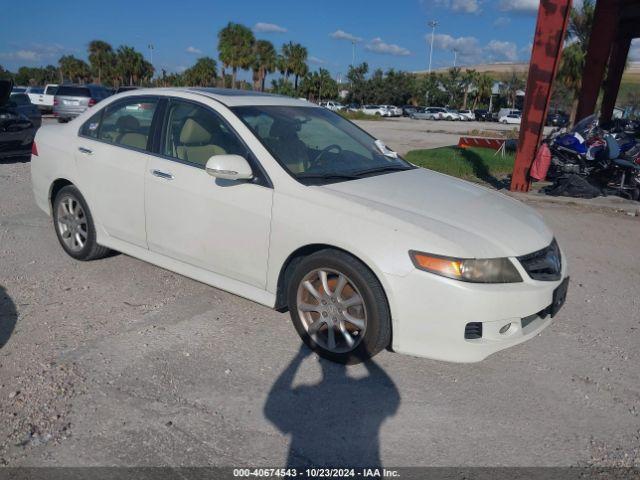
point(117, 362)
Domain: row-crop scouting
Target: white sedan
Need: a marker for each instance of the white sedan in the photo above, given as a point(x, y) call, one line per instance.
point(512, 118)
point(294, 207)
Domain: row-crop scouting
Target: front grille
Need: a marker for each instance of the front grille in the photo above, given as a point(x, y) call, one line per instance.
point(473, 330)
point(545, 264)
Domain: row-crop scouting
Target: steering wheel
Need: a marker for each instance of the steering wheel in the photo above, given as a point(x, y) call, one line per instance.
point(316, 161)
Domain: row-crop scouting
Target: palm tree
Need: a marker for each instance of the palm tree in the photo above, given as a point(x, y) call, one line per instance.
point(293, 61)
point(73, 68)
point(574, 54)
point(235, 48)
point(264, 62)
point(203, 74)
point(484, 88)
point(511, 86)
point(100, 57)
point(469, 79)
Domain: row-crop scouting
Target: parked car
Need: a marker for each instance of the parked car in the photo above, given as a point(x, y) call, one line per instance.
point(391, 111)
point(557, 119)
point(16, 130)
point(511, 118)
point(42, 97)
point(503, 112)
point(372, 110)
point(334, 106)
point(407, 110)
point(451, 114)
point(18, 89)
point(354, 107)
point(71, 100)
point(467, 115)
point(22, 103)
point(430, 113)
point(482, 115)
point(240, 192)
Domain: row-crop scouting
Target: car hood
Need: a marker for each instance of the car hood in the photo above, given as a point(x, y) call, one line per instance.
point(464, 219)
point(5, 91)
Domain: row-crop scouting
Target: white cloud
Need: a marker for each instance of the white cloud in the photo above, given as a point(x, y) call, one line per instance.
point(502, 50)
point(521, 6)
point(316, 60)
point(378, 46)
point(35, 52)
point(634, 51)
point(460, 6)
point(468, 48)
point(180, 68)
point(342, 35)
point(501, 22)
point(268, 28)
point(194, 50)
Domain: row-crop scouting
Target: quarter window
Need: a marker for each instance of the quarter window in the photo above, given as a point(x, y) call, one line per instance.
point(128, 123)
point(194, 134)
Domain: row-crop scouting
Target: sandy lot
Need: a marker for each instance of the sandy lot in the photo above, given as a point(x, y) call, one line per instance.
point(117, 362)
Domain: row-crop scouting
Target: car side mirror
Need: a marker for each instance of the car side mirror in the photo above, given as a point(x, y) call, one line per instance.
point(229, 167)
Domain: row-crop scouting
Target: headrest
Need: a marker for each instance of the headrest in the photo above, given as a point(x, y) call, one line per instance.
point(128, 123)
point(193, 132)
point(283, 128)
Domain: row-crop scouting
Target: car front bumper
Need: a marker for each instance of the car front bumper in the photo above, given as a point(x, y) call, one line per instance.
point(430, 314)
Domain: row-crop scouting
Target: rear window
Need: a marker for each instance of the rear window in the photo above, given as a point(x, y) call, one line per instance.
point(36, 90)
point(67, 91)
point(20, 99)
point(51, 90)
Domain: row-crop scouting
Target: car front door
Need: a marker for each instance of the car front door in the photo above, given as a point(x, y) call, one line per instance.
point(218, 225)
point(111, 157)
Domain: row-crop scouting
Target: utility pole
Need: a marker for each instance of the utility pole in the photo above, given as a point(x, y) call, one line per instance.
point(433, 24)
point(455, 57)
point(151, 49)
point(353, 53)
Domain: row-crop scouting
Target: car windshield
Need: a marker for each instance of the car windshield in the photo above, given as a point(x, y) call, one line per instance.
point(318, 146)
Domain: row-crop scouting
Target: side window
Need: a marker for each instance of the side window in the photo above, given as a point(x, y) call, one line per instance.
point(90, 127)
point(194, 134)
point(128, 123)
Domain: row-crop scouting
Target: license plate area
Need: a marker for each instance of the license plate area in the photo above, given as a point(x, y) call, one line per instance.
point(559, 297)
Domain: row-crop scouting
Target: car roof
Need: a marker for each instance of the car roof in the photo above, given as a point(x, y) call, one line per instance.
point(231, 97)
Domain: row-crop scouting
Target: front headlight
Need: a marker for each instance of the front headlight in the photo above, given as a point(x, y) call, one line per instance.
point(476, 270)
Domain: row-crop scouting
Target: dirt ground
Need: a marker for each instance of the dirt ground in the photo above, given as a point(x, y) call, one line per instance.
point(117, 362)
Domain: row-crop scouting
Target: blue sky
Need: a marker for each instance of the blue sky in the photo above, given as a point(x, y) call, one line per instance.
point(388, 34)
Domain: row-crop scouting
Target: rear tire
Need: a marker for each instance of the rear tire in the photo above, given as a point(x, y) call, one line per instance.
point(349, 300)
point(74, 225)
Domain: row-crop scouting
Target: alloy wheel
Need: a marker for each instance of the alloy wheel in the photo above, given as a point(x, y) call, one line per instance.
point(72, 223)
point(332, 310)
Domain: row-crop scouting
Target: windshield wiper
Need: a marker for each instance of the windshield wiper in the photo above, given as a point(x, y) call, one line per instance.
point(387, 168)
point(323, 176)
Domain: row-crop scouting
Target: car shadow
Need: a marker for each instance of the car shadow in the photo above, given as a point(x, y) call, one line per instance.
point(8, 316)
point(481, 171)
point(337, 421)
point(17, 159)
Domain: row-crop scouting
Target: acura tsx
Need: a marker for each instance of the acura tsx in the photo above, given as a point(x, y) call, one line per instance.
point(294, 207)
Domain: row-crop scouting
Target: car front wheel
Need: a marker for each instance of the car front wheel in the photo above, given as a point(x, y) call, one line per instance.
point(338, 307)
point(74, 225)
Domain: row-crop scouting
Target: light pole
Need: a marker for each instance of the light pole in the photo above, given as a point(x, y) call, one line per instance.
point(455, 57)
point(353, 53)
point(433, 24)
point(151, 49)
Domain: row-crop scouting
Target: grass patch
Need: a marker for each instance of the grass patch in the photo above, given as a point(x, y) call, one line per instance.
point(475, 164)
point(359, 116)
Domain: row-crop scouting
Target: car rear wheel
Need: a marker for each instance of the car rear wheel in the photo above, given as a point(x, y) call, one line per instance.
point(338, 307)
point(74, 225)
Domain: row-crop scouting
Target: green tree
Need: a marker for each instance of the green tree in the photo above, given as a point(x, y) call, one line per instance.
point(510, 87)
point(293, 61)
point(574, 53)
point(319, 85)
point(74, 69)
point(468, 81)
point(101, 58)
point(203, 74)
point(235, 48)
point(130, 66)
point(264, 62)
point(484, 88)
point(452, 84)
point(357, 76)
point(282, 86)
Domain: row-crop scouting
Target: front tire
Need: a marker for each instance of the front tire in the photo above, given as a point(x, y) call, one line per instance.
point(74, 225)
point(339, 307)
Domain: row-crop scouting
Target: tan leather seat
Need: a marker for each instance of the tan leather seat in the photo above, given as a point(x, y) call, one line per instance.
point(195, 143)
point(129, 135)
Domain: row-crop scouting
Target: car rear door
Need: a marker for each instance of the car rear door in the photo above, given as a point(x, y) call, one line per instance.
point(112, 156)
point(218, 225)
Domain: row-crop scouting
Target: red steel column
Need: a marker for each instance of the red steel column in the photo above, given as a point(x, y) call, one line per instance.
point(617, 63)
point(603, 33)
point(553, 16)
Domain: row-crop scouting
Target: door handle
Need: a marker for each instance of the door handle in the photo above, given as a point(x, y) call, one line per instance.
point(161, 174)
point(86, 151)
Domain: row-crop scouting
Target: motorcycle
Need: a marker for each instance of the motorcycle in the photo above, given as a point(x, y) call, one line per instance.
point(614, 173)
